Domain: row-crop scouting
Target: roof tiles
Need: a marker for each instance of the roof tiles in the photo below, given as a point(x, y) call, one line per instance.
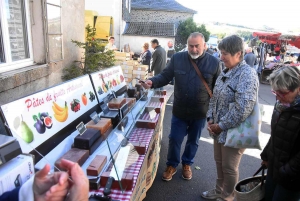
point(165, 5)
point(150, 29)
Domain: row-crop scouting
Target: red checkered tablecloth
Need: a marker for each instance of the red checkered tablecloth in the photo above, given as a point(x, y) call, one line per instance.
point(155, 104)
point(134, 162)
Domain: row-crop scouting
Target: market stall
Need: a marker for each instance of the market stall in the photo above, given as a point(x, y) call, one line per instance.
point(273, 52)
point(96, 120)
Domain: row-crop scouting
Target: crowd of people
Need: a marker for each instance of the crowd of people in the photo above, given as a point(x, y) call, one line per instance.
point(233, 81)
point(235, 88)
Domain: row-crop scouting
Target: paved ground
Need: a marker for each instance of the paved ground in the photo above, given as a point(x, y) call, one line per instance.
point(179, 189)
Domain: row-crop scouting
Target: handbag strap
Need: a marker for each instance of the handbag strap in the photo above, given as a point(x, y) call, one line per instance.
point(262, 168)
point(201, 77)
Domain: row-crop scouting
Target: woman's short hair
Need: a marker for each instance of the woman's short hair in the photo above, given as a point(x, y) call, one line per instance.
point(146, 46)
point(285, 78)
point(232, 44)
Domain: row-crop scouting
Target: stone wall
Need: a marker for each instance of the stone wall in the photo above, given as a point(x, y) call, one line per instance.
point(158, 16)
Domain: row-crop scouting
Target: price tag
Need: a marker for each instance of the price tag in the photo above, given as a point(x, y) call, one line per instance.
point(81, 128)
point(152, 114)
point(94, 116)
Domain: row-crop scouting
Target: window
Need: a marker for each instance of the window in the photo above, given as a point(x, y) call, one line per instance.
point(15, 48)
point(54, 31)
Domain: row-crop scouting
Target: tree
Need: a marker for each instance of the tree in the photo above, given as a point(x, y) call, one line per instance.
point(221, 35)
point(184, 29)
point(246, 35)
point(94, 58)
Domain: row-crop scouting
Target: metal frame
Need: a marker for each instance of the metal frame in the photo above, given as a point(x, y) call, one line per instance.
point(45, 14)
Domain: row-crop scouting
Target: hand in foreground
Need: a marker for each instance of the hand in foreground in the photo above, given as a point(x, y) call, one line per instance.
point(79, 190)
point(48, 187)
point(147, 84)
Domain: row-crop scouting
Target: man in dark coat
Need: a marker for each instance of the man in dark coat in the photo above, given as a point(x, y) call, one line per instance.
point(191, 101)
point(159, 58)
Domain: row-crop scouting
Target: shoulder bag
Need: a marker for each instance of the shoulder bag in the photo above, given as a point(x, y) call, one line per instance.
point(201, 77)
point(246, 135)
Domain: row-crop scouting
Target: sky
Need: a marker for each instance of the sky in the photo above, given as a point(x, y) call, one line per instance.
point(282, 15)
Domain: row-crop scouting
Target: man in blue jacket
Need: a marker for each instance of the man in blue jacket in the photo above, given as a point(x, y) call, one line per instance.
point(191, 101)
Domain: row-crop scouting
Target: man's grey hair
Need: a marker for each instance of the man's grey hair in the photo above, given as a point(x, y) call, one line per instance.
point(232, 44)
point(285, 78)
point(195, 35)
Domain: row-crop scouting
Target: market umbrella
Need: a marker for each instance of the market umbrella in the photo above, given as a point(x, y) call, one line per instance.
point(267, 37)
point(295, 41)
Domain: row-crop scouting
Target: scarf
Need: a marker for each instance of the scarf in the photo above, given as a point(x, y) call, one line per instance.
point(282, 106)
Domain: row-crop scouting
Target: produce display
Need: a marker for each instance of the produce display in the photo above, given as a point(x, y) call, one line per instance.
point(60, 113)
point(42, 121)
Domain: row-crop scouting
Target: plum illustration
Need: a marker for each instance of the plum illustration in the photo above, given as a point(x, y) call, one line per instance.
point(40, 127)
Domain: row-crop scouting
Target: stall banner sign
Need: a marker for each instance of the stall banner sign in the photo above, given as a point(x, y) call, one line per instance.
point(108, 80)
point(35, 118)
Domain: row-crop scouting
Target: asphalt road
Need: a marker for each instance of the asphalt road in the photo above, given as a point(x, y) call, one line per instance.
point(179, 189)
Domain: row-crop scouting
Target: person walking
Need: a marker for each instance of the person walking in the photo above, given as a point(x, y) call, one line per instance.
point(281, 155)
point(191, 100)
point(159, 57)
point(250, 58)
point(233, 100)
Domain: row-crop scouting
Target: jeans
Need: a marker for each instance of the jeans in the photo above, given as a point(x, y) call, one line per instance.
point(179, 129)
point(276, 192)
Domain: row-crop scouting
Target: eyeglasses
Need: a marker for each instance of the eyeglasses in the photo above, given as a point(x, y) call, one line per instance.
point(280, 94)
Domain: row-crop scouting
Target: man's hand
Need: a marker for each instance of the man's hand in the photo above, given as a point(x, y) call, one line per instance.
point(147, 84)
point(79, 190)
point(53, 187)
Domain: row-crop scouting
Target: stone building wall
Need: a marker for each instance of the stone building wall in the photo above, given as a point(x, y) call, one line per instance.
point(158, 16)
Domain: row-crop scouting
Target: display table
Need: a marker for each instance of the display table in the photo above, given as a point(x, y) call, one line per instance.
point(143, 167)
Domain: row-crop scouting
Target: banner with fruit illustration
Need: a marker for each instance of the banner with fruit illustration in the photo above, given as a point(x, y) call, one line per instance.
point(36, 118)
point(108, 80)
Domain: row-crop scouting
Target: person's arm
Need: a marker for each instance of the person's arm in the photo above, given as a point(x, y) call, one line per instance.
point(165, 76)
point(10, 195)
point(212, 101)
point(245, 98)
point(153, 61)
point(291, 169)
point(148, 58)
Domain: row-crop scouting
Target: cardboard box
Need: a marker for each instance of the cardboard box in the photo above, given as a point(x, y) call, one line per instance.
point(141, 67)
point(117, 63)
point(16, 172)
point(121, 54)
point(138, 72)
point(126, 71)
point(142, 77)
point(128, 75)
point(121, 58)
point(127, 67)
point(128, 79)
point(130, 63)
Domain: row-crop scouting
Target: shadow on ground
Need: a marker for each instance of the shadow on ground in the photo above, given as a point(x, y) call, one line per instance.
point(179, 189)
